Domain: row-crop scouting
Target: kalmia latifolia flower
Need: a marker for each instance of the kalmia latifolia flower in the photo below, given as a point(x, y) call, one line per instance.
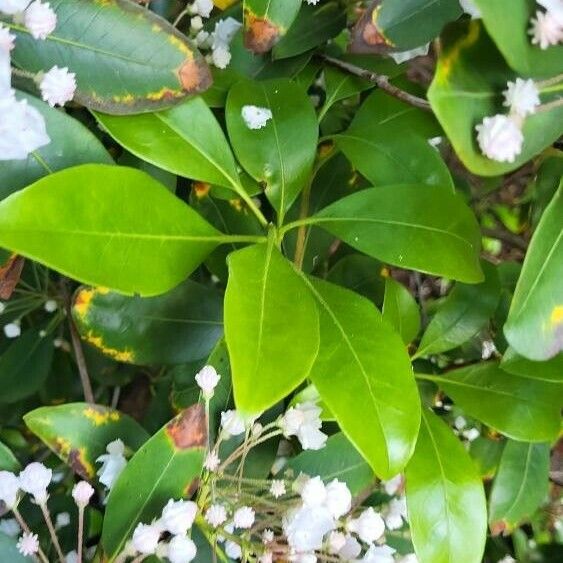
point(40, 19)
point(207, 379)
point(522, 97)
point(35, 479)
point(500, 138)
point(28, 544)
point(58, 86)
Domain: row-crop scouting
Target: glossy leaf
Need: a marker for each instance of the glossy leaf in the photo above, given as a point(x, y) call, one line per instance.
point(24, 366)
point(126, 59)
point(166, 466)
point(423, 228)
point(549, 370)
point(79, 433)
point(466, 311)
point(520, 408)
point(186, 140)
point(341, 85)
point(266, 21)
point(112, 237)
point(537, 306)
point(467, 87)
point(520, 486)
point(363, 374)
point(180, 326)
point(8, 461)
point(400, 310)
point(265, 298)
point(337, 460)
point(71, 144)
point(486, 454)
point(445, 498)
point(281, 154)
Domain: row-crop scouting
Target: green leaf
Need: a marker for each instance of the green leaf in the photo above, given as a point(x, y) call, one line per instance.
point(282, 153)
point(400, 310)
point(486, 454)
point(518, 407)
point(467, 87)
point(79, 433)
point(337, 460)
point(520, 486)
point(266, 21)
point(8, 461)
point(550, 370)
point(165, 467)
point(71, 144)
point(186, 140)
point(406, 24)
point(10, 552)
point(24, 366)
point(445, 498)
point(266, 301)
point(534, 327)
point(97, 223)
point(465, 312)
point(508, 22)
point(180, 326)
point(126, 58)
point(363, 374)
point(313, 26)
point(424, 228)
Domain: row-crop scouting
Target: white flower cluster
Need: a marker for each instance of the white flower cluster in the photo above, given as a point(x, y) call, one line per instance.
point(22, 128)
point(547, 27)
point(304, 421)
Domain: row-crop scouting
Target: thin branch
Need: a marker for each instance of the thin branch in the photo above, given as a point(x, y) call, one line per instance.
point(506, 237)
point(379, 80)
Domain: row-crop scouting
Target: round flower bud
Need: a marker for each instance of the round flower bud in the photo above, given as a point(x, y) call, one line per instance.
point(40, 19)
point(244, 517)
point(35, 479)
point(233, 550)
point(82, 493)
point(369, 525)
point(314, 492)
point(207, 379)
point(9, 487)
point(57, 88)
point(500, 138)
point(216, 515)
point(145, 538)
point(338, 498)
point(178, 516)
point(181, 549)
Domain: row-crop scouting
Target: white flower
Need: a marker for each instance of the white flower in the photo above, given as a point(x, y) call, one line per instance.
point(232, 423)
point(500, 138)
point(28, 544)
point(469, 7)
point(207, 379)
point(62, 520)
point(145, 538)
point(50, 306)
point(546, 30)
point(58, 86)
point(40, 19)
point(369, 525)
point(233, 550)
point(314, 492)
point(181, 549)
point(224, 32)
point(202, 38)
point(82, 493)
point(255, 117)
point(312, 2)
point(277, 488)
point(71, 557)
point(216, 515)
point(221, 57)
point(351, 548)
point(178, 516)
point(304, 421)
point(267, 536)
point(10, 527)
point(203, 7)
point(35, 479)
point(488, 349)
point(410, 558)
point(212, 461)
point(522, 97)
point(9, 488)
point(403, 56)
point(395, 513)
point(507, 559)
point(336, 541)
point(113, 463)
point(393, 485)
point(471, 434)
point(12, 330)
point(379, 554)
point(554, 7)
point(196, 24)
point(6, 39)
point(12, 7)
point(460, 423)
point(338, 498)
point(305, 527)
point(22, 130)
point(244, 517)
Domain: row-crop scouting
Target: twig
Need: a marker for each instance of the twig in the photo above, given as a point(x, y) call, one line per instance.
point(52, 532)
point(507, 237)
point(379, 80)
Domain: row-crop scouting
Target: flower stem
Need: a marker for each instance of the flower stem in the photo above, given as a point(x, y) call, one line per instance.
point(52, 532)
point(25, 528)
point(80, 533)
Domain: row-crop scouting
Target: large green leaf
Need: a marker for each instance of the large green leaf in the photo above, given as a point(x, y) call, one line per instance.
point(267, 306)
point(424, 228)
point(180, 326)
point(266, 21)
point(71, 144)
point(508, 22)
point(337, 460)
point(406, 24)
point(463, 314)
point(185, 140)
point(107, 225)
point(445, 498)
point(79, 432)
point(550, 370)
point(534, 327)
point(24, 366)
point(126, 58)
point(165, 467)
point(520, 486)
point(363, 374)
point(521, 408)
point(400, 310)
point(467, 87)
point(281, 154)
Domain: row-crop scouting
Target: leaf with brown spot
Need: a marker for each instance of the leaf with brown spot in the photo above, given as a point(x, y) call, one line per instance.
point(10, 273)
point(189, 429)
point(366, 38)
